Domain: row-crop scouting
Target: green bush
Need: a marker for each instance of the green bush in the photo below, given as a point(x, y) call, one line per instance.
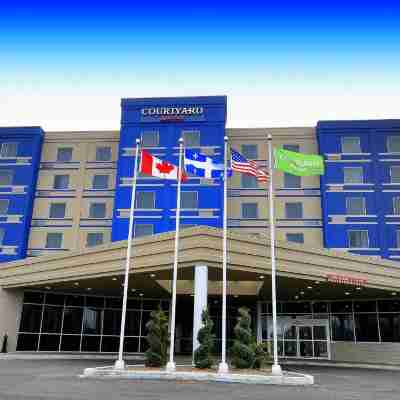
point(157, 338)
point(202, 355)
point(242, 352)
point(261, 354)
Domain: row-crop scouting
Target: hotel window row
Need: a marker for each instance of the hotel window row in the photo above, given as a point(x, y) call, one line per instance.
point(152, 138)
point(8, 150)
point(352, 144)
point(99, 182)
point(355, 175)
point(147, 200)
point(65, 154)
point(54, 240)
point(289, 181)
point(58, 210)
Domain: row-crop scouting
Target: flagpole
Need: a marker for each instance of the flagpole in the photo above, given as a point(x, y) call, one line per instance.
point(223, 366)
point(120, 364)
point(276, 368)
point(171, 367)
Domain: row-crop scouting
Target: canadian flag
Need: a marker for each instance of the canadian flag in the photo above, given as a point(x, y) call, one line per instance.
point(153, 166)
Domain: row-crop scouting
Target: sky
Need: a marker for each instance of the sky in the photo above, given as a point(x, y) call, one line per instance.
point(66, 65)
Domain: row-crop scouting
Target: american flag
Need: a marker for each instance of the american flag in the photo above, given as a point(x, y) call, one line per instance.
point(245, 166)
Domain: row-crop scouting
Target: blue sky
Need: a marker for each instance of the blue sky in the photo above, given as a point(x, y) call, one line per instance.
point(66, 65)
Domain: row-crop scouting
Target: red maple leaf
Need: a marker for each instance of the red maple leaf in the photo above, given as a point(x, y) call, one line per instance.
point(165, 167)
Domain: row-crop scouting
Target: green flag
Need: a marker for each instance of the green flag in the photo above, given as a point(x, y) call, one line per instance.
point(298, 163)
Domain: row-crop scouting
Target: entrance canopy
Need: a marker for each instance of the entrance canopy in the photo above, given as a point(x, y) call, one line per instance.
point(302, 271)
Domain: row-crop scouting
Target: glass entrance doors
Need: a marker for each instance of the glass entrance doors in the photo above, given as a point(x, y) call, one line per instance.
point(301, 338)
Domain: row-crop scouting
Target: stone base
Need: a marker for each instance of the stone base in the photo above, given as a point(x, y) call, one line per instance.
point(133, 372)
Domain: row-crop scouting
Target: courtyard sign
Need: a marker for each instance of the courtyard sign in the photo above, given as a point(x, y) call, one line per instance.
point(346, 279)
point(171, 111)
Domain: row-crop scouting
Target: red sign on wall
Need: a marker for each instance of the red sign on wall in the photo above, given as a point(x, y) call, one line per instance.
point(346, 279)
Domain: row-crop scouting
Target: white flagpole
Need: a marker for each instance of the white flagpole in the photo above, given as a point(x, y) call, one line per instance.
point(120, 364)
point(171, 367)
point(223, 366)
point(276, 368)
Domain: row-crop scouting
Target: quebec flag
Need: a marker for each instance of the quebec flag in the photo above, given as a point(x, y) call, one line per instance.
point(204, 166)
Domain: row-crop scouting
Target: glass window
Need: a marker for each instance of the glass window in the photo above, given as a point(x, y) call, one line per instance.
point(191, 138)
point(189, 200)
point(54, 240)
point(97, 210)
point(6, 177)
point(396, 205)
point(250, 151)
point(249, 210)
point(143, 230)
point(398, 238)
point(52, 319)
point(389, 306)
point(351, 144)
point(132, 327)
point(2, 234)
point(291, 181)
point(367, 327)
point(295, 237)
point(355, 206)
point(320, 307)
point(294, 210)
point(31, 317)
point(341, 306)
point(72, 320)
point(55, 299)
point(393, 144)
point(33, 297)
point(365, 306)
point(103, 153)
point(100, 181)
point(389, 325)
point(352, 175)
point(357, 239)
point(57, 210)
point(292, 147)
point(249, 181)
point(27, 342)
point(150, 139)
point(4, 206)
point(70, 343)
point(342, 327)
point(145, 200)
point(9, 150)
point(112, 322)
point(395, 174)
point(64, 154)
point(61, 182)
point(91, 321)
point(94, 239)
point(49, 342)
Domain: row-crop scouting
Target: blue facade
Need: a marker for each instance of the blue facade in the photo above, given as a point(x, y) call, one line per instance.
point(167, 119)
point(378, 152)
point(19, 163)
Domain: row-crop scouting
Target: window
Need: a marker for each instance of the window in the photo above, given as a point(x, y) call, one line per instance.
point(103, 153)
point(143, 230)
point(97, 210)
point(366, 327)
point(389, 325)
point(351, 144)
point(4, 206)
point(355, 206)
point(294, 210)
point(100, 182)
point(393, 144)
point(2, 234)
point(54, 240)
point(292, 147)
point(6, 177)
point(398, 238)
point(342, 327)
point(189, 200)
point(150, 139)
point(64, 154)
point(295, 237)
point(9, 150)
point(249, 181)
point(395, 174)
point(396, 205)
point(61, 182)
point(250, 210)
point(291, 181)
point(57, 210)
point(357, 239)
point(250, 151)
point(191, 138)
point(145, 200)
point(94, 239)
point(353, 175)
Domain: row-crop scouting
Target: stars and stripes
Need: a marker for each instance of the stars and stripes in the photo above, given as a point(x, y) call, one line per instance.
point(241, 164)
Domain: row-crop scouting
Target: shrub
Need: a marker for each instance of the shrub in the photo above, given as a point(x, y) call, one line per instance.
point(202, 355)
point(157, 338)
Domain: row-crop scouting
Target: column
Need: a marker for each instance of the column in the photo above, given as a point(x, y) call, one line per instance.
point(10, 311)
point(259, 322)
point(200, 299)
